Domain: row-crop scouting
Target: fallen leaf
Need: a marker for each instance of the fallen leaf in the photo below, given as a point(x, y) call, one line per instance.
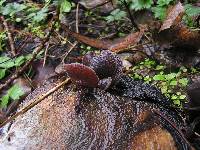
point(116, 45)
point(126, 42)
point(174, 16)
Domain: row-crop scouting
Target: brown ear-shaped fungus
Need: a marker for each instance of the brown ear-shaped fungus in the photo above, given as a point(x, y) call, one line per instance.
point(82, 75)
point(106, 65)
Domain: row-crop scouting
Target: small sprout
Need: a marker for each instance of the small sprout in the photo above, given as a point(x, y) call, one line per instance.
point(183, 69)
point(164, 89)
point(160, 67)
point(173, 82)
point(174, 97)
point(177, 102)
point(183, 81)
point(170, 76)
point(159, 77)
point(182, 97)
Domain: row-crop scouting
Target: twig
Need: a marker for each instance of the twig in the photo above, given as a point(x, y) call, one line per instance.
point(77, 8)
point(10, 39)
point(38, 100)
point(130, 15)
point(75, 43)
point(35, 52)
point(45, 54)
point(69, 51)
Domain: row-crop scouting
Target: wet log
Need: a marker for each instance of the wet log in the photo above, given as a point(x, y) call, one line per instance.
point(130, 115)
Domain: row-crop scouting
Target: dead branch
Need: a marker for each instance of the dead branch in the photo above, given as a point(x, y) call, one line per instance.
point(115, 45)
point(10, 39)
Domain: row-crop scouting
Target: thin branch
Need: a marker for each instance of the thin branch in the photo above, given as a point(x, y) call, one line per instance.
point(77, 8)
point(10, 39)
point(77, 30)
point(69, 51)
point(21, 70)
point(34, 103)
point(130, 15)
point(45, 54)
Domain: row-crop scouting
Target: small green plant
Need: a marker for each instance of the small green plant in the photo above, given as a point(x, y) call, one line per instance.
point(7, 63)
point(28, 13)
point(171, 84)
point(190, 12)
point(65, 7)
point(14, 93)
point(116, 15)
point(159, 8)
point(140, 4)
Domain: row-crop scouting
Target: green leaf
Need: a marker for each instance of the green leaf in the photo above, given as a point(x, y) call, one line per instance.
point(164, 89)
point(6, 62)
point(182, 97)
point(4, 101)
point(65, 6)
point(183, 81)
point(1, 2)
point(160, 67)
point(160, 12)
point(149, 63)
point(159, 77)
point(162, 3)
point(2, 73)
point(120, 15)
point(116, 14)
point(19, 61)
point(141, 4)
point(12, 8)
point(3, 37)
point(110, 18)
point(177, 102)
point(173, 82)
point(40, 15)
point(170, 76)
point(18, 19)
point(15, 92)
point(191, 10)
point(174, 97)
point(28, 57)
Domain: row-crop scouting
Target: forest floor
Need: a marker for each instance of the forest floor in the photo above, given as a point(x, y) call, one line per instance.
point(158, 43)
